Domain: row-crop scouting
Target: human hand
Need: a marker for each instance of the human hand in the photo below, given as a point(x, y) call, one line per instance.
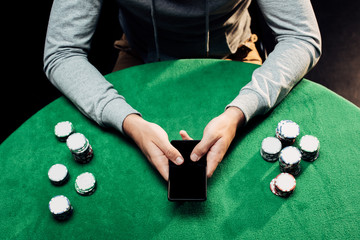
point(217, 137)
point(153, 142)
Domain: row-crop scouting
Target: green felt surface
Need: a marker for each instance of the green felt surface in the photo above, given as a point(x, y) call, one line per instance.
point(131, 198)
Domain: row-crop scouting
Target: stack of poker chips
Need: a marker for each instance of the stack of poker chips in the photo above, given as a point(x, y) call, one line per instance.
point(309, 147)
point(290, 156)
point(289, 160)
point(60, 207)
point(270, 149)
point(283, 185)
point(287, 131)
point(85, 184)
point(58, 174)
point(63, 130)
point(80, 147)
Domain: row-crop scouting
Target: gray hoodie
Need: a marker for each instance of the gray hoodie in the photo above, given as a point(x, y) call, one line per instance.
point(168, 29)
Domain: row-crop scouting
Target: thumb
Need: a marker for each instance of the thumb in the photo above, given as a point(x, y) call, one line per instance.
point(202, 148)
point(171, 153)
point(184, 135)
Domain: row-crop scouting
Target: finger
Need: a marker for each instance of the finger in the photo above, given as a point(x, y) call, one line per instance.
point(157, 158)
point(211, 167)
point(162, 165)
point(170, 152)
point(215, 156)
point(202, 148)
point(184, 135)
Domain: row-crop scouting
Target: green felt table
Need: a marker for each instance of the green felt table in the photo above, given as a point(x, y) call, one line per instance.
point(131, 199)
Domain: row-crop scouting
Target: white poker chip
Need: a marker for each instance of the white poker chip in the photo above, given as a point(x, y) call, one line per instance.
point(58, 174)
point(270, 149)
point(290, 129)
point(77, 142)
point(271, 145)
point(63, 129)
point(60, 207)
point(59, 204)
point(85, 183)
point(309, 143)
point(285, 182)
point(309, 146)
point(290, 155)
point(287, 131)
point(283, 185)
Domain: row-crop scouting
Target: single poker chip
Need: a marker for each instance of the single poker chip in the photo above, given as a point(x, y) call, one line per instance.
point(60, 207)
point(309, 147)
point(58, 174)
point(285, 184)
point(270, 149)
point(290, 129)
point(272, 187)
point(77, 142)
point(290, 156)
point(80, 148)
point(287, 132)
point(63, 130)
point(85, 184)
point(289, 160)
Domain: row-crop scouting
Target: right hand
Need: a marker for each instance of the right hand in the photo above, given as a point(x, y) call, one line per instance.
point(153, 141)
point(217, 137)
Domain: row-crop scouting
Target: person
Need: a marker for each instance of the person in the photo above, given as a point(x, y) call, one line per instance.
point(159, 30)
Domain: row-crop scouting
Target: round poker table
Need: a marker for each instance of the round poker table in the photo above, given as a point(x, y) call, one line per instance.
point(131, 197)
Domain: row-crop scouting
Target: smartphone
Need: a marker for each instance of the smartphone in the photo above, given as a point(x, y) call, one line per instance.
point(188, 181)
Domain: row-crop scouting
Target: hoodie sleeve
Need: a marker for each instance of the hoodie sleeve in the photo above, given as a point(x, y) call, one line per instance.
point(70, 29)
point(298, 49)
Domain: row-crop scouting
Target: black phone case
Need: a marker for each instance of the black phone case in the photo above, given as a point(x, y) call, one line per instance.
point(188, 181)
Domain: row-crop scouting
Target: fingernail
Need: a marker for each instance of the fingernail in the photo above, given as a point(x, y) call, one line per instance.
point(179, 160)
point(194, 157)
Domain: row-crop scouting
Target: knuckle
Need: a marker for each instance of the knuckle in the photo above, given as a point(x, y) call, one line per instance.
point(201, 151)
point(211, 135)
point(170, 153)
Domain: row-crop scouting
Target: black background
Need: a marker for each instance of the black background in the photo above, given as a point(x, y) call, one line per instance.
point(25, 89)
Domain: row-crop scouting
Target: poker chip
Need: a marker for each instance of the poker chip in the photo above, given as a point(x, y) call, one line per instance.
point(309, 147)
point(288, 156)
point(80, 147)
point(60, 207)
point(283, 185)
point(287, 131)
point(85, 184)
point(63, 130)
point(272, 187)
point(77, 142)
point(58, 174)
point(270, 149)
point(289, 160)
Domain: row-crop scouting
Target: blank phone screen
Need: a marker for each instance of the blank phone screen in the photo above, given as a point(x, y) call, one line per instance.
point(188, 181)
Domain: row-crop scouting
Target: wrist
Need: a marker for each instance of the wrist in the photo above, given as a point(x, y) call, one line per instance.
point(131, 123)
point(236, 115)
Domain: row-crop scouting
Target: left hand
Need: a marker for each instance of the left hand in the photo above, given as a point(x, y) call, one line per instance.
point(217, 137)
